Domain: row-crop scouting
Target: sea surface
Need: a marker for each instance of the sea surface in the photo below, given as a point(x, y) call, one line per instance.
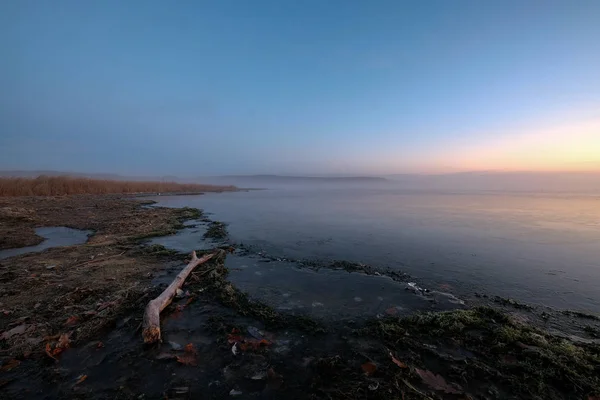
point(542, 249)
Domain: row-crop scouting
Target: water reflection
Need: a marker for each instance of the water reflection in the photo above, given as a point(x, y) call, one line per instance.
point(500, 243)
point(54, 236)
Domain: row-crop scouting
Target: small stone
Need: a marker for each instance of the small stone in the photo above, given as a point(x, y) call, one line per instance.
point(281, 349)
point(175, 346)
point(165, 356)
point(306, 361)
point(18, 330)
point(255, 332)
point(259, 376)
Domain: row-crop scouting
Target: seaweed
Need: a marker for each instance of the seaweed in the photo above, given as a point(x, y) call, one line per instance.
point(216, 230)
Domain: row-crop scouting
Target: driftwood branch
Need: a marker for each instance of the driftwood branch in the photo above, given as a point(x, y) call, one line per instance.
point(151, 323)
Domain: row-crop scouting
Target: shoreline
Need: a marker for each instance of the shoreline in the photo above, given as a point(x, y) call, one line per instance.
point(420, 356)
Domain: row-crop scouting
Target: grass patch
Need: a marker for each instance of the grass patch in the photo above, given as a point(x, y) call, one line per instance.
point(153, 234)
point(187, 213)
point(159, 250)
point(175, 223)
point(520, 359)
point(512, 303)
point(216, 230)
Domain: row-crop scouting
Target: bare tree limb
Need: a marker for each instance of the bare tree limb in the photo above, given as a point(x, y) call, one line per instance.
point(151, 323)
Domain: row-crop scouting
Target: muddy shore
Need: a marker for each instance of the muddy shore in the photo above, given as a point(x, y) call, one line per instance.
point(71, 315)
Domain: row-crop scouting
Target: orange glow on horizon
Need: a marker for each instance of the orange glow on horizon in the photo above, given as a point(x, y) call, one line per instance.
point(566, 147)
point(574, 147)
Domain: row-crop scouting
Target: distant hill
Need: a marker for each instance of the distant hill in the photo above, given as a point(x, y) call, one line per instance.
point(284, 178)
point(283, 181)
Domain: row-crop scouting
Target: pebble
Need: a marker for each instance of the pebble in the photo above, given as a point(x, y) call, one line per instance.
point(259, 376)
point(255, 332)
point(175, 346)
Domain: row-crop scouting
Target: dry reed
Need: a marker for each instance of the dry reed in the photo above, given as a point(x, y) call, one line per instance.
point(65, 185)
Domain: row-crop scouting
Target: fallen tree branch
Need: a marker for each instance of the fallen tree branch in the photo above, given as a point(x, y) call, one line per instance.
point(151, 323)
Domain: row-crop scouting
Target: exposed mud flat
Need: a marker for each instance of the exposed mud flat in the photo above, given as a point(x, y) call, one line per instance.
point(248, 325)
point(78, 288)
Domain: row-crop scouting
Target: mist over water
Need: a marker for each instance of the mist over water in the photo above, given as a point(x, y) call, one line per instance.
point(532, 182)
point(536, 247)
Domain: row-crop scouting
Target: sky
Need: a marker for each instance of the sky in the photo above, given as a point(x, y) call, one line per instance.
point(299, 86)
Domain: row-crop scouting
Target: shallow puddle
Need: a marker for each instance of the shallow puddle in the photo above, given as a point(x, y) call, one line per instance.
point(55, 236)
point(329, 294)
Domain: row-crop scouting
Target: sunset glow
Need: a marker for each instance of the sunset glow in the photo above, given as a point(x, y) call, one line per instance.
point(574, 147)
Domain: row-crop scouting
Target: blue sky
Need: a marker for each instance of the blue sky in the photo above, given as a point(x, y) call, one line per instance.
point(298, 87)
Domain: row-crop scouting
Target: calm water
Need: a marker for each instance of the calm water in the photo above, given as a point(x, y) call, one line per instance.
point(542, 249)
point(55, 236)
